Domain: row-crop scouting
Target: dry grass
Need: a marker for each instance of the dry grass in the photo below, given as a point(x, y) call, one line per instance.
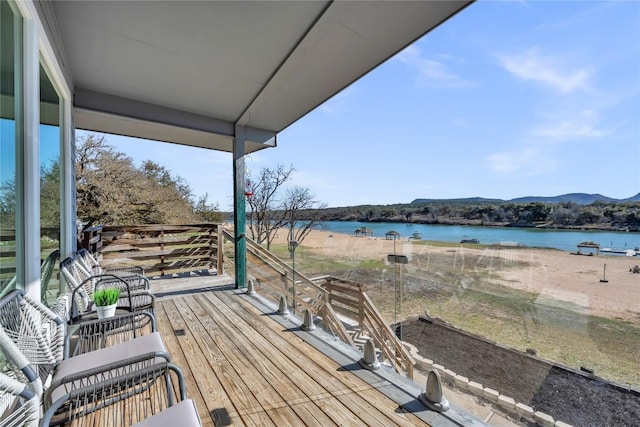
point(467, 289)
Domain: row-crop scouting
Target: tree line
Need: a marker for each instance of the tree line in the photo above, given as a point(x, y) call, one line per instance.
point(597, 215)
point(111, 189)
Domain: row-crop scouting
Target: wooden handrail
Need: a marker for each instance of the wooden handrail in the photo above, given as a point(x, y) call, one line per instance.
point(329, 297)
point(308, 294)
point(400, 354)
point(335, 324)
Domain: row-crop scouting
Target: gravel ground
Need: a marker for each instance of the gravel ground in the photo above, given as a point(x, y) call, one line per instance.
point(570, 396)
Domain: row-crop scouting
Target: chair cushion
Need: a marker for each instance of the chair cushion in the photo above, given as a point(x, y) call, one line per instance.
point(115, 353)
point(183, 414)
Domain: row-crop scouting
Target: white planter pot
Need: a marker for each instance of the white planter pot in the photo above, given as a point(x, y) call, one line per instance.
point(106, 311)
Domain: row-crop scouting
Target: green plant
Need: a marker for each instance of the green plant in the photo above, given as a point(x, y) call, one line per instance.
point(106, 296)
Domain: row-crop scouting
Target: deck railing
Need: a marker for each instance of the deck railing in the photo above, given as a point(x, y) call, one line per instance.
point(350, 300)
point(49, 242)
point(343, 305)
point(160, 249)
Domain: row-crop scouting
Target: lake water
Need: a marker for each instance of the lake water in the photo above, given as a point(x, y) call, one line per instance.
point(565, 240)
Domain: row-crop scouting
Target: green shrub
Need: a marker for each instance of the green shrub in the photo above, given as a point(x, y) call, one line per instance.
point(106, 296)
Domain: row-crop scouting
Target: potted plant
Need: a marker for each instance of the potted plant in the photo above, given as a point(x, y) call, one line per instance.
point(106, 301)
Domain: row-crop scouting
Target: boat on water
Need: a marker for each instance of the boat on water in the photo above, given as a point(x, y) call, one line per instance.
point(625, 252)
point(416, 235)
point(466, 239)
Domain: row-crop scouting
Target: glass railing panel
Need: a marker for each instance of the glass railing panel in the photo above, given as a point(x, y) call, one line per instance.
point(525, 312)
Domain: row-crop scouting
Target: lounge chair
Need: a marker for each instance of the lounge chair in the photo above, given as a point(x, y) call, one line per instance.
point(37, 332)
point(118, 392)
point(119, 384)
point(81, 272)
point(100, 333)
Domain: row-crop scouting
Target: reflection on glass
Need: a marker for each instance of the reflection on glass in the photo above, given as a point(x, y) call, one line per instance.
point(557, 314)
point(50, 203)
point(9, 23)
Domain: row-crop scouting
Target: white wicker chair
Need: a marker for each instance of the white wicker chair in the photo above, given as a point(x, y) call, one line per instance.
point(135, 294)
point(39, 335)
point(19, 405)
point(119, 384)
point(37, 332)
point(92, 265)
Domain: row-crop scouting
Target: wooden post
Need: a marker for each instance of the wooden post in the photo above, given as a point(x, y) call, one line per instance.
point(210, 246)
point(92, 239)
point(220, 265)
point(162, 265)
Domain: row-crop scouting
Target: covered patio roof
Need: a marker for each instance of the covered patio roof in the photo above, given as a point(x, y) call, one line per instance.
point(189, 72)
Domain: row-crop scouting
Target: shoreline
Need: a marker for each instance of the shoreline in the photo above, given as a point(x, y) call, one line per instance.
point(556, 276)
point(566, 240)
point(525, 225)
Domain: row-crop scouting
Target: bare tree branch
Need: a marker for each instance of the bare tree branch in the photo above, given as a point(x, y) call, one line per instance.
point(270, 211)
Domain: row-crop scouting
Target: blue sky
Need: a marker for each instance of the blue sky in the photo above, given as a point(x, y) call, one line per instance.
point(506, 99)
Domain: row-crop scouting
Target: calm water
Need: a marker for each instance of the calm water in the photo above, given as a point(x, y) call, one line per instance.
point(565, 240)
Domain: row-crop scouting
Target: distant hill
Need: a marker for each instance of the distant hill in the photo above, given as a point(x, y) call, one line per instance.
point(463, 200)
point(579, 198)
point(635, 198)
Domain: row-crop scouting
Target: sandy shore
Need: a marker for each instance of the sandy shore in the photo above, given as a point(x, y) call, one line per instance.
point(558, 277)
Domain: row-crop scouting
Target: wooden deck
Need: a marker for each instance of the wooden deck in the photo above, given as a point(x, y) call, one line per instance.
point(245, 367)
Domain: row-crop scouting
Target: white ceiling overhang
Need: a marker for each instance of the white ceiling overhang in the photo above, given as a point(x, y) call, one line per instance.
point(188, 72)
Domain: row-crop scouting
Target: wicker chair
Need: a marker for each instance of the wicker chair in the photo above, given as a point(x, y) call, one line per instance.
point(100, 333)
point(118, 392)
point(37, 332)
point(76, 267)
point(19, 405)
point(135, 295)
point(126, 396)
point(20, 386)
point(92, 265)
point(127, 380)
point(16, 366)
point(40, 335)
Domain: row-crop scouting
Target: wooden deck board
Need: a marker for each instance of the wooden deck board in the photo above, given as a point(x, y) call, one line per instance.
point(353, 383)
point(201, 384)
point(272, 348)
point(313, 414)
point(263, 393)
point(227, 378)
point(244, 368)
point(300, 358)
point(247, 354)
point(372, 411)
